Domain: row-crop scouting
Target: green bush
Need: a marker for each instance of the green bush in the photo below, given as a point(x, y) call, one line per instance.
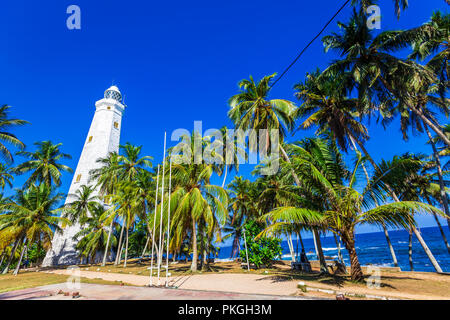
point(263, 250)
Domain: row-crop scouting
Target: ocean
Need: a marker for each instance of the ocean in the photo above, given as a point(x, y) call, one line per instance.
point(373, 250)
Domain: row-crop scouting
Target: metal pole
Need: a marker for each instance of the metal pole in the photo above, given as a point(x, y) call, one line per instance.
point(168, 223)
point(153, 232)
point(162, 210)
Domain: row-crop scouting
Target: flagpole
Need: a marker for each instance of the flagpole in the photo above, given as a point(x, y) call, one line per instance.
point(162, 210)
point(168, 222)
point(154, 222)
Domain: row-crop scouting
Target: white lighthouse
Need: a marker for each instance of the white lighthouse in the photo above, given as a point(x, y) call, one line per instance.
point(103, 138)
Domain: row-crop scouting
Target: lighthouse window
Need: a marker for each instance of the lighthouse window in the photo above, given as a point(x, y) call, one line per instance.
point(116, 125)
point(90, 139)
point(109, 108)
point(79, 178)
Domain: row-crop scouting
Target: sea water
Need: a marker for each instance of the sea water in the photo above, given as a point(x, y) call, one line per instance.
point(372, 249)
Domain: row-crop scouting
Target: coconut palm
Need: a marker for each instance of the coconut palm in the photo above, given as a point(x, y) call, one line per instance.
point(43, 164)
point(382, 80)
point(129, 162)
point(84, 203)
point(6, 137)
point(34, 215)
point(343, 207)
point(106, 176)
point(93, 238)
point(243, 205)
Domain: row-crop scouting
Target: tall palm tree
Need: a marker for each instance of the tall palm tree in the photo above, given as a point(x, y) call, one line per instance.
point(93, 238)
point(195, 200)
point(343, 207)
point(44, 164)
point(33, 213)
point(382, 80)
point(106, 176)
point(243, 204)
point(325, 105)
point(6, 137)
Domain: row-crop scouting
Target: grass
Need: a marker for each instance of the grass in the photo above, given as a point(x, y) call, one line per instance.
point(9, 282)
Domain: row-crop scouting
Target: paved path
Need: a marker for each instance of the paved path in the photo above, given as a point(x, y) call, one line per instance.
point(115, 292)
point(225, 282)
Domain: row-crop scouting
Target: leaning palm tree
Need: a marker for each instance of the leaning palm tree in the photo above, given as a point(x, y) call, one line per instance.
point(343, 208)
point(6, 137)
point(43, 164)
point(34, 215)
point(382, 80)
point(326, 106)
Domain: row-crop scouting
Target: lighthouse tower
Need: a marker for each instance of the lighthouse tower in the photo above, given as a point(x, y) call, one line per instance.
point(103, 138)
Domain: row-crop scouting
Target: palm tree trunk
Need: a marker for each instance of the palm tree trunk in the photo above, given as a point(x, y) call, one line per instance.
point(119, 248)
point(443, 194)
point(291, 247)
point(16, 271)
point(386, 233)
point(11, 257)
point(126, 251)
point(194, 247)
point(391, 248)
point(3, 257)
point(301, 241)
point(107, 244)
point(394, 196)
point(321, 257)
point(433, 127)
point(355, 270)
point(234, 248)
point(338, 245)
point(225, 176)
point(410, 252)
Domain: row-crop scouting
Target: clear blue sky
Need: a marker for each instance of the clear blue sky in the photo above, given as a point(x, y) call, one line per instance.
point(176, 62)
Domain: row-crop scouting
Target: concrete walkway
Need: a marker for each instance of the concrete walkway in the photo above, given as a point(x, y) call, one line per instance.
point(116, 292)
point(224, 282)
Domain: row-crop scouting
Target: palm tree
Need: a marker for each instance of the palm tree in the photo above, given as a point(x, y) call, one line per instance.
point(381, 79)
point(106, 175)
point(343, 207)
point(5, 124)
point(325, 105)
point(243, 204)
point(44, 164)
point(33, 214)
point(6, 177)
point(130, 163)
point(92, 239)
point(195, 201)
point(84, 203)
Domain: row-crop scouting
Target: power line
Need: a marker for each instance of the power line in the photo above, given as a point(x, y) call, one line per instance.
point(309, 44)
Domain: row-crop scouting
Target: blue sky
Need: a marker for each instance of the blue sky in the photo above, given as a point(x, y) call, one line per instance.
point(176, 62)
